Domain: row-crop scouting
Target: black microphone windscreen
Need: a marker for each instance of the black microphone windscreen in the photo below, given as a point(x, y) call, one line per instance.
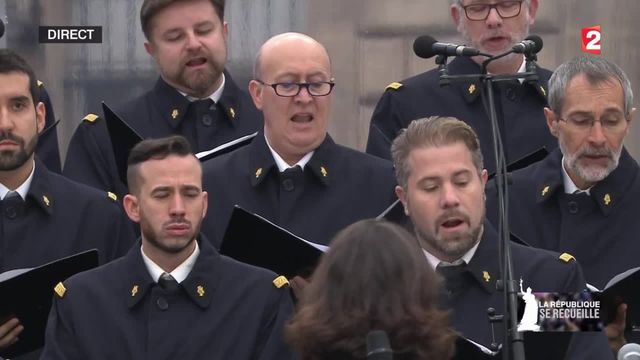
point(378, 347)
point(423, 46)
point(1, 28)
point(536, 40)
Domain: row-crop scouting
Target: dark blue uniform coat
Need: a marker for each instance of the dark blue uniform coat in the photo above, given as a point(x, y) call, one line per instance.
point(600, 230)
point(338, 187)
point(161, 112)
point(519, 109)
point(539, 269)
point(59, 218)
point(47, 148)
point(223, 310)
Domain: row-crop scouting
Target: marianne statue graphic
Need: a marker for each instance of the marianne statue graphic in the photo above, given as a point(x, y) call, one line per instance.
point(529, 320)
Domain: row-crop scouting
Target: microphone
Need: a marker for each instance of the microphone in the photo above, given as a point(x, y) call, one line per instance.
point(378, 347)
point(532, 44)
point(629, 351)
point(426, 46)
point(1, 28)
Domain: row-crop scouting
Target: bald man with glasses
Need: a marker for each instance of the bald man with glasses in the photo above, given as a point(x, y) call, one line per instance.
point(293, 173)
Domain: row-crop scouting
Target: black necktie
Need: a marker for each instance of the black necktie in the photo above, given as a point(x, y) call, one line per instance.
point(12, 205)
point(289, 176)
point(454, 276)
point(167, 282)
point(202, 109)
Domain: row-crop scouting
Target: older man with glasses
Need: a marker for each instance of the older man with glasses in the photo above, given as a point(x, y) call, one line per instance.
point(493, 27)
point(293, 173)
point(584, 198)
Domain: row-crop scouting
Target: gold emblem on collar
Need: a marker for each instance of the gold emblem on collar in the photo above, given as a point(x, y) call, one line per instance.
point(46, 200)
point(472, 88)
point(543, 91)
point(486, 276)
point(60, 289)
point(545, 190)
point(200, 290)
point(607, 199)
point(323, 171)
point(232, 112)
point(134, 290)
point(280, 281)
point(258, 172)
point(174, 114)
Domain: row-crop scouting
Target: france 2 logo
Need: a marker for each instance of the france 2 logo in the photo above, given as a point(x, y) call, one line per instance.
point(591, 37)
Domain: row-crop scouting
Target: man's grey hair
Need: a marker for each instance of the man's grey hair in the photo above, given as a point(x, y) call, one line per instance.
point(596, 69)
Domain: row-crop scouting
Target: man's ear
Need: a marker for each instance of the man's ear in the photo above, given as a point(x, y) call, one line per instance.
point(552, 121)
point(131, 207)
point(41, 115)
point(256, 91)
point(402, 195)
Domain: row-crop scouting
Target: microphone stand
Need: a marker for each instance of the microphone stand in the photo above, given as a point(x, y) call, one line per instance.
point(513, 347)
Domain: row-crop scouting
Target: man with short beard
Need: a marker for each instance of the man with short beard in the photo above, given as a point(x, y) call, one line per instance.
point(441, 180)
point(194, 96)
point(584, 197)
point(172, 296)
point(43, 216)
point(492, 27)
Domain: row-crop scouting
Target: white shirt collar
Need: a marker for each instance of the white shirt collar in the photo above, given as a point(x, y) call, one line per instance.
point(521, 69)
point(215, 96)
point(23, 189)
point(179, 273)
point(281, 164)
point(466, 258)
point(569, 186)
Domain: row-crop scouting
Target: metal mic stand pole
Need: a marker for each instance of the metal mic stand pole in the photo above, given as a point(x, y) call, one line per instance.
point(513, 348)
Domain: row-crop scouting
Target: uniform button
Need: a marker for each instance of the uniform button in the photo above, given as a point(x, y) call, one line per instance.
point(288, 184)
point(511, 94)
point(207, 120)
point(11, 212)
point(162, 303)
point(573, 207)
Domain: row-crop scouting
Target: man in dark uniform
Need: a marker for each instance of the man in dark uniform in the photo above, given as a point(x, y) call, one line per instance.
point(194, 96)
point(172, 296)
point(293, 173)
point(47, 149)
point(493, 29)
point(441, 180)
point(584, 197)
point(44, 216)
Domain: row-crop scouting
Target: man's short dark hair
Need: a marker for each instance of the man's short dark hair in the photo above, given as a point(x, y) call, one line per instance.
point(151, 7)
point(11, 62)
point(153, 149)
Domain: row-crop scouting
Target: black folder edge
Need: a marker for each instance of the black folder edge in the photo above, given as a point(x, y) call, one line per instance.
point(622, 288)
point(32, 337)
point(246, 240)
point(226, 147)
point(48, 129)
point(523, 162)
point(123, 138)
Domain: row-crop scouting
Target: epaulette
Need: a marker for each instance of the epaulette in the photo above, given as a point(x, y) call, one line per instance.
point(59, 289)
point(112, 196)
point(280, 282)
point(566, 257)
point(394, 85)
point(40, 83)
point(90, 118)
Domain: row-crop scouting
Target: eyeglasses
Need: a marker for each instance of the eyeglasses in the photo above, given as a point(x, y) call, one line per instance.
point(480, 12)
point(612, 123)
point(288, 89)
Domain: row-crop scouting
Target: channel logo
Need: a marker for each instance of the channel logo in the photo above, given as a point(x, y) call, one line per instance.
point(591, 39)
point(70, 34)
